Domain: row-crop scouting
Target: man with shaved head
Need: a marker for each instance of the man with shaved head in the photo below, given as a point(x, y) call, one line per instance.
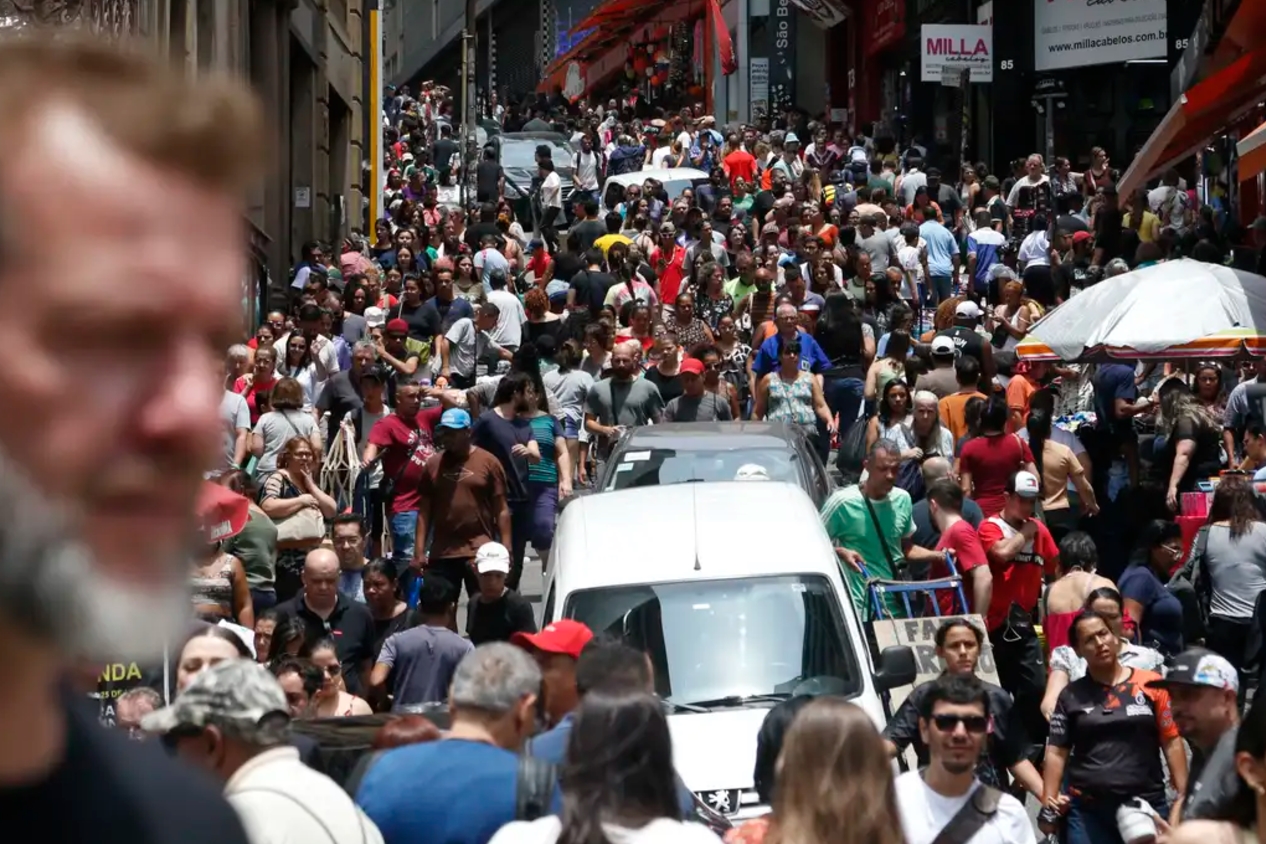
point(99, 477)
point(329, 614)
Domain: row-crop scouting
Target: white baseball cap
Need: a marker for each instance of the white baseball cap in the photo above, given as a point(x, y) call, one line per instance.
point(943, 346)
point(1025, 485)
point(375, 317)
point(968, 310)
point(492, 557)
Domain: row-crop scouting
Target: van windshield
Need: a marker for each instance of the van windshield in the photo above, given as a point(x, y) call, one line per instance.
point(662, 466)
point(724, 642)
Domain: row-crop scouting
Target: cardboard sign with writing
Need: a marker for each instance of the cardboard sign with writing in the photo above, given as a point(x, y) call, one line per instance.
point(920, 635)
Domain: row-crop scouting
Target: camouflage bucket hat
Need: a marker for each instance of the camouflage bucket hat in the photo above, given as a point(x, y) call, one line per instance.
point(239, 695)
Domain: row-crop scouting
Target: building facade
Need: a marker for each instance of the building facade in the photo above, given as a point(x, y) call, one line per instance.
point(305, 60)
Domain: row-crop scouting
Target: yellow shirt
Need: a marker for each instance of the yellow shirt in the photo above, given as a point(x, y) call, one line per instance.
point(1148, 228)
point(608, 240)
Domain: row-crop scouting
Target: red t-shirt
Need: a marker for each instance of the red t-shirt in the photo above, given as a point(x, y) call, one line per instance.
point(252, 343)
point(671, 270)
point(248, 392)
point(740, 165)
point(991, 461)
point(1020, 580)
point(396, 439)
point(963, 540)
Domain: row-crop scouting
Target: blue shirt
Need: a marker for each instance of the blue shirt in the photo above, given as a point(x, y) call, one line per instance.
point(444, 792)
point(942, 247)
point(1162, 625)
point(552, 747)
point(812, 358)
point(986, 245)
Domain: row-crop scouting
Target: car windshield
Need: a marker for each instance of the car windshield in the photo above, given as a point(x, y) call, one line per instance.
point(722, 642)
point(662, 466)
point(522, 153)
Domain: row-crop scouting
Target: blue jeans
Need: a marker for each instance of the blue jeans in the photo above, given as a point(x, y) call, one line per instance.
point(1095, 821)
point(844, 398)
point(404, 529)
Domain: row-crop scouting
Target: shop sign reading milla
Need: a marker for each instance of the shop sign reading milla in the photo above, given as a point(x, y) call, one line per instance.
point(961, 46)
point(1075, 33)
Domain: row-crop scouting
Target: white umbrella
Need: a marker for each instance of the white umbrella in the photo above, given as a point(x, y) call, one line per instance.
point(1175, 309)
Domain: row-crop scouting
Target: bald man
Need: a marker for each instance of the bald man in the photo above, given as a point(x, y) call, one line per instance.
point(327, 614)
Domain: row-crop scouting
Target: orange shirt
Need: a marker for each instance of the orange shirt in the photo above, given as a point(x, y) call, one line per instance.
point(954, 413)
point(1019, 393)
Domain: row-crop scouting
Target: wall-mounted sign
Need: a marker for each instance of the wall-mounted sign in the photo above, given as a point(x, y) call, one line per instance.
point(959, 46)
point(782, 54)
point(758, 83)
point(885, 26)
point(1076, 33)
point(303, 197)
point(823, 13)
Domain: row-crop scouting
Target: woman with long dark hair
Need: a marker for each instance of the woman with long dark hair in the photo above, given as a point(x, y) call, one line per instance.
point(849, 344)
point(988, 461)
point(1234, 560)
point(1057, 466)
point(617, 781)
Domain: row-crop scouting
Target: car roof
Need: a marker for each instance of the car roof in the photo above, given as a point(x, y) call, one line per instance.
point(553, 137)
point(712, 436)
point(695, 531)
point(671, 174)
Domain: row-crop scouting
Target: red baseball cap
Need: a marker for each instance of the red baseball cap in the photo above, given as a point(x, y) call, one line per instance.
point(397, 326)
point(694, 366)
point(561, 637)
point(222, 512)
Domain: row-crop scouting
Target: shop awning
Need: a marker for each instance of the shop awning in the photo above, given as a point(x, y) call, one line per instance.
point(611, 23)
point(1203, 112)
point(1252, 153)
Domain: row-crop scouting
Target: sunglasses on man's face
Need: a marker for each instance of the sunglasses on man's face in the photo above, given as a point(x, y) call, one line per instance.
point(973, 723)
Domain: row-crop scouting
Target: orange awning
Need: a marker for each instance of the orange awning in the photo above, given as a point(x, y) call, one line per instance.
point(1252, 152)
point(1202, 113)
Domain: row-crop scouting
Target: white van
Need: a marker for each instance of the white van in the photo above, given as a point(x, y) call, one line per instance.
point(736, 593)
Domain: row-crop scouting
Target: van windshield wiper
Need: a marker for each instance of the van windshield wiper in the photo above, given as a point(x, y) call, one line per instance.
point(739, 700)
point(675, 706)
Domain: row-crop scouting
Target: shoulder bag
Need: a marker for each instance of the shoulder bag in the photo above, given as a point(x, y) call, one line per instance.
point(533, 787)
point(972, 817)
point(388, 485)
point(898, 567)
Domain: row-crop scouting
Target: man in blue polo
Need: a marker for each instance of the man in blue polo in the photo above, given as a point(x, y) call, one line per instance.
point(787, 320)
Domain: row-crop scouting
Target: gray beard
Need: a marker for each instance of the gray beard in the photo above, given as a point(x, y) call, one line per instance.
point(51, 589)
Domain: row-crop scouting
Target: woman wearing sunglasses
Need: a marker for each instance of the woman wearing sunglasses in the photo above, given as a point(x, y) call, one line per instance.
point(333, 700)
point(1157, 612)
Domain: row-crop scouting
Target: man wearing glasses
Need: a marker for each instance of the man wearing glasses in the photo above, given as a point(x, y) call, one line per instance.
point(954, 721)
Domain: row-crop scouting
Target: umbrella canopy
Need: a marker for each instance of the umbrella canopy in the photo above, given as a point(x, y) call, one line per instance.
point(1176, 309)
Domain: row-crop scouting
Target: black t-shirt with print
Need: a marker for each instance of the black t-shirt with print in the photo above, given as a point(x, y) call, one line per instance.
point(1114, 735)
point(121, 791)
point(1007, 744)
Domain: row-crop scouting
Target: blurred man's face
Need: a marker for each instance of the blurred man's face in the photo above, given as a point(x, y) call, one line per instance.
point(151, 403)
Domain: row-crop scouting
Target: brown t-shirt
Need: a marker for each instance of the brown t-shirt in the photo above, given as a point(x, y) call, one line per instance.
point(466, 498)
point(942, 381)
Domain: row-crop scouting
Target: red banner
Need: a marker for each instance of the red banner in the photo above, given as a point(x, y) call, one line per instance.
point(725, 44)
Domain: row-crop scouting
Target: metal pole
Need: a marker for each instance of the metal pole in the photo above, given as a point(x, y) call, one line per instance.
point(377, 201)
point(469, 114)
point(745, 64)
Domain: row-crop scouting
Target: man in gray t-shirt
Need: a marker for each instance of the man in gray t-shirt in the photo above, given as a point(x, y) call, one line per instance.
point(235, 415)
point(1203, 695)
point(624, 400)
point(420, 662)
point(877, 244)
point(695, 404)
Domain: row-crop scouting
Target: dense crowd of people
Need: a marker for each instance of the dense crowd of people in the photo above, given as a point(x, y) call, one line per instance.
point(405, 426)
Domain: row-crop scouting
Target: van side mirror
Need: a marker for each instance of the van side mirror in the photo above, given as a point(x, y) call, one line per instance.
point(897, 667)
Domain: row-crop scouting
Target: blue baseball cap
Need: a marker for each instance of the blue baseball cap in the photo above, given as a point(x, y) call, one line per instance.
point(455, 418)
